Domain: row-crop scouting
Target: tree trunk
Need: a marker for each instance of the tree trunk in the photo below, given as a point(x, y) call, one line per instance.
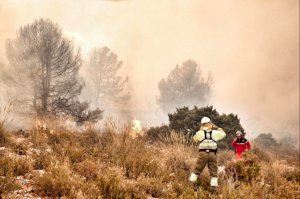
point(46, 85)
point(44, 96)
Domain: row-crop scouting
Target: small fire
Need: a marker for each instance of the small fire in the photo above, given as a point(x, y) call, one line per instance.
point(136, 129)
point(40, 125)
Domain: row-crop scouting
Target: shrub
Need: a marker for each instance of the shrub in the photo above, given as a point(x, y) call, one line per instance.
point(61, 137)
point(76, 154)
point(135, 158)
point(293, 175)
point(225, 157)
point(178, 139)
point(7, 184)
point(152, 187)
point(189, 120)
point(91, 138)
point(185, 190)
point(286, 190)
point(4, 140)
point(20, 148)
point(89, 189)
point(175, 164)
point(113, 165)
point(38, 138)
point(6, 165)
point(158, 133)
point(261, 154)
point(4, 113)
point(22, 166)
point(110, 186)
point(88, 169)
point(178, 167)
point(58, 181)
point(264, 140)
point(245, 170)
point(14, 166)
point(42, 160)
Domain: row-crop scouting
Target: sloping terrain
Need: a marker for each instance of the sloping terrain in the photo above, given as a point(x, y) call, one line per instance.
point(50, 161)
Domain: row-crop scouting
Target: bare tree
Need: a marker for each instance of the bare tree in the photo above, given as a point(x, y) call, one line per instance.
point(184, 86)
point(108, 87)
point(43, 68)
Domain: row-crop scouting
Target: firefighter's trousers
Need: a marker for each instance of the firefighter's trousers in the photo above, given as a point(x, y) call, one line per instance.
point(209, 159)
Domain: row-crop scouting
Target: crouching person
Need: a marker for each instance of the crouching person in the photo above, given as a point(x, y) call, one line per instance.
point(207, 137)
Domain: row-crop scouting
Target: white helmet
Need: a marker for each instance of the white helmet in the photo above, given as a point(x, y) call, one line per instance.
point(205, 120)
point(239, 133)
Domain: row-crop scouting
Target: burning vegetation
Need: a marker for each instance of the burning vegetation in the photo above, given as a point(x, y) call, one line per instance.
point(49, 160)
point(70, 149)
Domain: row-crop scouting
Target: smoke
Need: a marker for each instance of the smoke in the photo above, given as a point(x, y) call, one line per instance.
point(251, 47)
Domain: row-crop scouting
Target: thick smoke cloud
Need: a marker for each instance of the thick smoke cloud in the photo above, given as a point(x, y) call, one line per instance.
point(251, 47)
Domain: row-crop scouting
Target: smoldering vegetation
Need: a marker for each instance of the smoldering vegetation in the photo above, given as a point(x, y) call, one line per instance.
point(69, 150)
point(49, 160)
point(254, 56)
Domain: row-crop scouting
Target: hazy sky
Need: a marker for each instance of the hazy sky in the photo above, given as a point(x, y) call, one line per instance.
point(250, 46)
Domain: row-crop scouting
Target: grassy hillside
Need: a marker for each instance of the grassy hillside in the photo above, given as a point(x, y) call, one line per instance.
point(51, 161)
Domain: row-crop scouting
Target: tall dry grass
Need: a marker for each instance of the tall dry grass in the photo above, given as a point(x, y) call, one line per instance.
point(111, 164)
point(4, 113)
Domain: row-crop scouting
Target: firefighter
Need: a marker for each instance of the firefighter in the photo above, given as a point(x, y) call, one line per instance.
point(207, 137)
point(240, 144)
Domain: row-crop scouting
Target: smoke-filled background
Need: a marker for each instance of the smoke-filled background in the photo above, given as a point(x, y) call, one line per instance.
point(250, 47)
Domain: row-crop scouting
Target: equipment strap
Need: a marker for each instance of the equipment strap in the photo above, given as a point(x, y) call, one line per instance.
point(208, 150)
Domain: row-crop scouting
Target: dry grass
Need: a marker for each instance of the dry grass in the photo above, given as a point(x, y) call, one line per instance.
point(58, 181)
point(110, 164)
point(4, 137)
point(7, 184)
point(14, 166)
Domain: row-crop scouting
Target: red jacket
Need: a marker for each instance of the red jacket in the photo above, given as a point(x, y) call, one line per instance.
point(240, 145)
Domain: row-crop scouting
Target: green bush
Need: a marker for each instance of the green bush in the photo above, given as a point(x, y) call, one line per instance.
point(189, 120)
point(158, 133)
point(264, 140)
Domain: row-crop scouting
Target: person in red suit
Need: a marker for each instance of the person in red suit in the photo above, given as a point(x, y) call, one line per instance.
point(240, 144)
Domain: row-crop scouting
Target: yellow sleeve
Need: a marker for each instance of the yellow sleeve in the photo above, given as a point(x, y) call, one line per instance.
point(199, 136)
point(218, 134)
